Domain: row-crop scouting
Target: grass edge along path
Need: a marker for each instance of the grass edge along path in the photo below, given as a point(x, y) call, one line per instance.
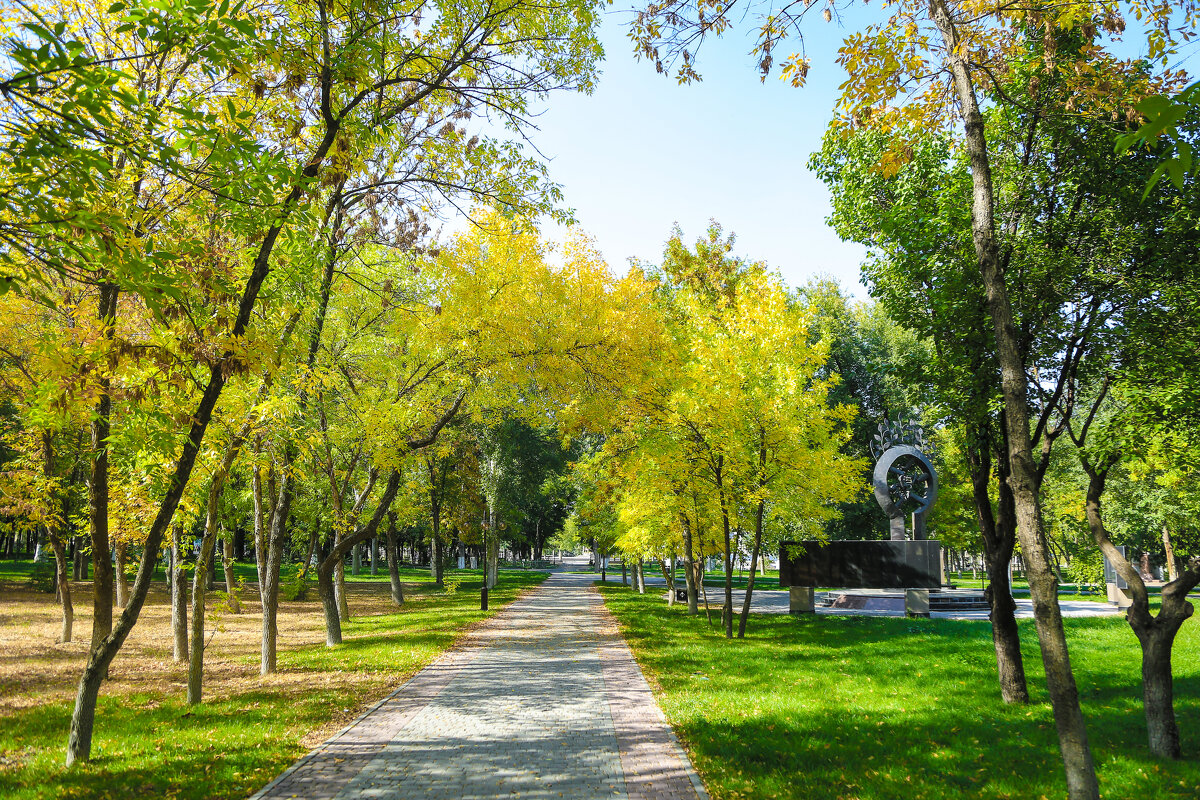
point(875, 708)
point(152, 744)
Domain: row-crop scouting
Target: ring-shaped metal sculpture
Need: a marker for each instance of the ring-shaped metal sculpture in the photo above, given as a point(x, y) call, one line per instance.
point(905, 482)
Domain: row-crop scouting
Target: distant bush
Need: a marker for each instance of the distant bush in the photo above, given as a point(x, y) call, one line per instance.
point(298, 584)
point(42, 577)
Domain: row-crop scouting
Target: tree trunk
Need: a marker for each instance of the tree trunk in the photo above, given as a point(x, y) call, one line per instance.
point(374, 557)
point(269, 589)
point(260, 522)
point(63, 584)
point(325, 570)
point(78, 563)
point(998, 530)
point(689, 566)
point(1158, 693)
point(339, 583)
point(199, 591)
point(102, 571)
point(1172, 564)
point(758, 534)
point(327, 591)
point(669, 577)
point(438, 559)
point(79, 740)
point(122, 550)
point(493, 559)
point(727, 607)
point(393, 562)
point(1155, 634)
point(178, 580)
point(1060, 681)
point(231, 588)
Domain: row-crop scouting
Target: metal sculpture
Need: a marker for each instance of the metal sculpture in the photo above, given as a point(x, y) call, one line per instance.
point(905, 481)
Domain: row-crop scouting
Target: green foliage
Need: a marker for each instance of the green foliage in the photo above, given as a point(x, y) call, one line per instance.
point(450, 584)
point(296, 583)
point(1087, 567)
point(43, 577)
point(1163, 115)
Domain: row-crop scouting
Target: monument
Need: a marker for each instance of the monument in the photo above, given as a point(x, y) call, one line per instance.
point(905, 485)
point(905, 482)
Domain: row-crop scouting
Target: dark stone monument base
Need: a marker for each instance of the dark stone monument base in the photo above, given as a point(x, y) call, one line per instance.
point(867, 564)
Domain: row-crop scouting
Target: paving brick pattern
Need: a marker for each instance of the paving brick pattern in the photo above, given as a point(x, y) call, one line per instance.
point(542, 701)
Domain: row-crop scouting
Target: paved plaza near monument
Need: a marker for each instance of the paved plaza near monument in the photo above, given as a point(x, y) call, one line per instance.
point(543, 700)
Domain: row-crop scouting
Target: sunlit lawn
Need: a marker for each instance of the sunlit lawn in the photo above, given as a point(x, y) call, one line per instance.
point(888, 708)
point(151, 744)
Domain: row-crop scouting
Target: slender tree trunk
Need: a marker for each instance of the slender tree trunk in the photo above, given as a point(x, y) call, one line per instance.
point(327, 591)
point(393, 562)
point(178, 580)
point(374, 557)
point(1060, 681)
point(669, 577)
point(260, 522)
point(438, 558)
point(204, 561)
point(339, 584)
point(999, 538)
point(758, 534)
point(102, 571)
point(122, 551)
point(235, 605)
point(78, 563)
point(689, 566)
point(1172, 563)
point(727, 608)
point(62, 582)
point(199, 591)
point(269, 591)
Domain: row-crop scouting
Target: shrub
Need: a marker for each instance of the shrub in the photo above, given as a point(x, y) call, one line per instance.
point(298, 584)
point(42, 577)
point(450, 585)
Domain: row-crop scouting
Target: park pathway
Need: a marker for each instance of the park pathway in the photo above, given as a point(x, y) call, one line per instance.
point(543, 700)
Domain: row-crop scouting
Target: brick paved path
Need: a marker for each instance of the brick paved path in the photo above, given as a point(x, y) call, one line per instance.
point(544, 700)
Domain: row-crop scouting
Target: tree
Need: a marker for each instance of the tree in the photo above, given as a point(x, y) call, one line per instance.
point(907, 70)
point(739, 404)
point(222, 111)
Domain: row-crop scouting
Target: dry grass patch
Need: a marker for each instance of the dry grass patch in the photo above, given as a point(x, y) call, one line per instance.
point(148, 741)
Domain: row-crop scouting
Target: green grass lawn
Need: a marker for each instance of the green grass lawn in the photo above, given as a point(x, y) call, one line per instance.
point(886, 708)
point(154, 745)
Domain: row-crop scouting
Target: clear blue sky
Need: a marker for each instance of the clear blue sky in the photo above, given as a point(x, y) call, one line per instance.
point(643, 153)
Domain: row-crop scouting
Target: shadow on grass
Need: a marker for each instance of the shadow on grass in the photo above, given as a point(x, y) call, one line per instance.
point(866, 707)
